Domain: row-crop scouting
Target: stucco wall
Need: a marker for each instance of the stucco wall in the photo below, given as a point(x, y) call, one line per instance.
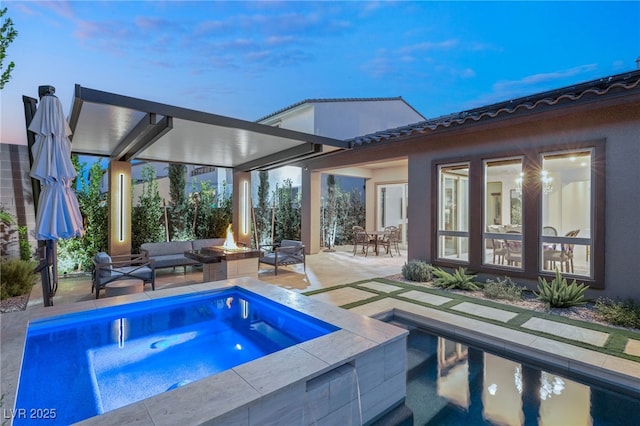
point(621, 135)
point(622, 240)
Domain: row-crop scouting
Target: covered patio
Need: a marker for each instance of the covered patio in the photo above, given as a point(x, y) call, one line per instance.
point(323, 270)
point(123, 129)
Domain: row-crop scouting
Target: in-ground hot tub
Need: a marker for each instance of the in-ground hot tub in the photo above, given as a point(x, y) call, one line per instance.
point(285, 353)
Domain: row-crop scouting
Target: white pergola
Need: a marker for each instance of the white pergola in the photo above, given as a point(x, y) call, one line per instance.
point(122, 128)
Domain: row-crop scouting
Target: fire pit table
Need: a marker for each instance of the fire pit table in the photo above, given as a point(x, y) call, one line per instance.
point(219, 263)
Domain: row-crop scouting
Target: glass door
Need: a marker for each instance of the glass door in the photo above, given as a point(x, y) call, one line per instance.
point(391, 209)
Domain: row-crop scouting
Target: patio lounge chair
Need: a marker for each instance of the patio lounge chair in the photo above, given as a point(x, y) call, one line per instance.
point(288, 252)
point(108, 269)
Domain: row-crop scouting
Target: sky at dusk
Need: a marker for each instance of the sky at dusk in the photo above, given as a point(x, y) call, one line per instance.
point(249, 59)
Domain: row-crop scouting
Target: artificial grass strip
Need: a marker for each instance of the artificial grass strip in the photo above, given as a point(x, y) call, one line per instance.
point(614, 345)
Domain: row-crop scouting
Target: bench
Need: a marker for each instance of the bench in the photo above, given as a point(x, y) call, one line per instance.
point(108, 269)
point(288, 252)
point(170, 254)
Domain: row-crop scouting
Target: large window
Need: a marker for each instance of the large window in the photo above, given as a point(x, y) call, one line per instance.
point(453, 212)
point(503, 239)
point(566, 212)
point(525, 214)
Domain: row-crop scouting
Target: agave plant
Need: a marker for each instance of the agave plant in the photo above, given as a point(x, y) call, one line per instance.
point(559, 294)
point(458, 280)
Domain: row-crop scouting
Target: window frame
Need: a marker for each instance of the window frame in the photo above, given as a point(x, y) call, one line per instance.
point(531, 212)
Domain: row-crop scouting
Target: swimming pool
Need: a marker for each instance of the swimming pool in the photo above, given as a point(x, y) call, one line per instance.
point(80, 365)
point(309, 381)
point(452, 383)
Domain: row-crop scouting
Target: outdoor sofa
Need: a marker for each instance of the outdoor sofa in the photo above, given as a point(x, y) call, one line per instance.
point(170, 254)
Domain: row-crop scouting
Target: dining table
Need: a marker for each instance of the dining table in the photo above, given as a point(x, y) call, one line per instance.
point(376, 237)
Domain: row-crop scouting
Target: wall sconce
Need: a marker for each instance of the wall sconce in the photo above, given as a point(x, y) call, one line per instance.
point(120, 208)
point(246, 197)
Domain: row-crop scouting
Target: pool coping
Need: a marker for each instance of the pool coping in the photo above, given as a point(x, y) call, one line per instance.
point(222, 393)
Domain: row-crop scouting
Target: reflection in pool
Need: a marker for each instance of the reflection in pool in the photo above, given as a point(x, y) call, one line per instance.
point(449, 383)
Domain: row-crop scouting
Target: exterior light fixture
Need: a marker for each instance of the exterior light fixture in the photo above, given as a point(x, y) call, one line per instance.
point(245, 207)
point(120, 207)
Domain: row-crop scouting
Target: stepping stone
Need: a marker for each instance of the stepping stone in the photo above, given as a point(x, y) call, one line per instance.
point(592, 337)
point(484, 311)
point(431, 299)
point(343, 296)
point(632, 347)
point(381, 287)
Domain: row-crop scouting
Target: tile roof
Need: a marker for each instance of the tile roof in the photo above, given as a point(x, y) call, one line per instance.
point(594, 88)
point(327, 100)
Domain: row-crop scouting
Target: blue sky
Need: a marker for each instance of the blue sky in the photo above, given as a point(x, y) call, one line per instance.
point(249, 59)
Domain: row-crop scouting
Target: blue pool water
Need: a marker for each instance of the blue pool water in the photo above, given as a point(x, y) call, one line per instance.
point(80, 365)
point(449, 383)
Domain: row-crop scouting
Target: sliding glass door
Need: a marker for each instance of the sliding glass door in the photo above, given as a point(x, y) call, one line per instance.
point(391, 209)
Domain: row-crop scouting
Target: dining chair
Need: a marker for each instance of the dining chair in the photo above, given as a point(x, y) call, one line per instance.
point(514, 252)
point(564, 256)
point(361, 239)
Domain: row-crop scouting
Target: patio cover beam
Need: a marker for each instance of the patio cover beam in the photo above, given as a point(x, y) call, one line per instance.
point(280, 158)
point(148, 138)
point(125, 146)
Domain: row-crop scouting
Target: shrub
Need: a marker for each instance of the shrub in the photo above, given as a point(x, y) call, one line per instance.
point(503, 288)
point(559, 294)
point(625, 313)
point(417, 270)
point(458, 280)
point(17, 277)
point(23, 240)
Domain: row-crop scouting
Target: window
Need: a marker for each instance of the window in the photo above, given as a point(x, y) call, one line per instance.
point(453, 212)
point(503, 240)
point(567, 212)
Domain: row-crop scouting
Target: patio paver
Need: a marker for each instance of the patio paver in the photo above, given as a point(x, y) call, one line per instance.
point(484, 311)
point(632, 347)
point(592, 337)
point(381, 287)
point(431, 299)
point(343, 296)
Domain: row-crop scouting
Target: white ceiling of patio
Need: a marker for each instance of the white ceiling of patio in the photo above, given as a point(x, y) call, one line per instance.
point(124, 128)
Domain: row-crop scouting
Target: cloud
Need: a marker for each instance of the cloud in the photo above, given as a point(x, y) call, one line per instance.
point(535, 83)
point(541, 80)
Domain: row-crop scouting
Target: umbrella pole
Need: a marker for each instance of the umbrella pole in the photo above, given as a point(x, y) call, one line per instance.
point(46, 272)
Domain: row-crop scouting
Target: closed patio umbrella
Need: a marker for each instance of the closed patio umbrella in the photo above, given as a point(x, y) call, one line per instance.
point(58, 214)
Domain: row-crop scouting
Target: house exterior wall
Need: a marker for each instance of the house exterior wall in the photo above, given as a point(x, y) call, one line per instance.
point(362, 117)
point(622, 200)
point(344, 119)
point(611, 124)
point(16, 197)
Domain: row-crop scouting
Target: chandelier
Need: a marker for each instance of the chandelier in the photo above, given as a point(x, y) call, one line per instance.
point(546, 182)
